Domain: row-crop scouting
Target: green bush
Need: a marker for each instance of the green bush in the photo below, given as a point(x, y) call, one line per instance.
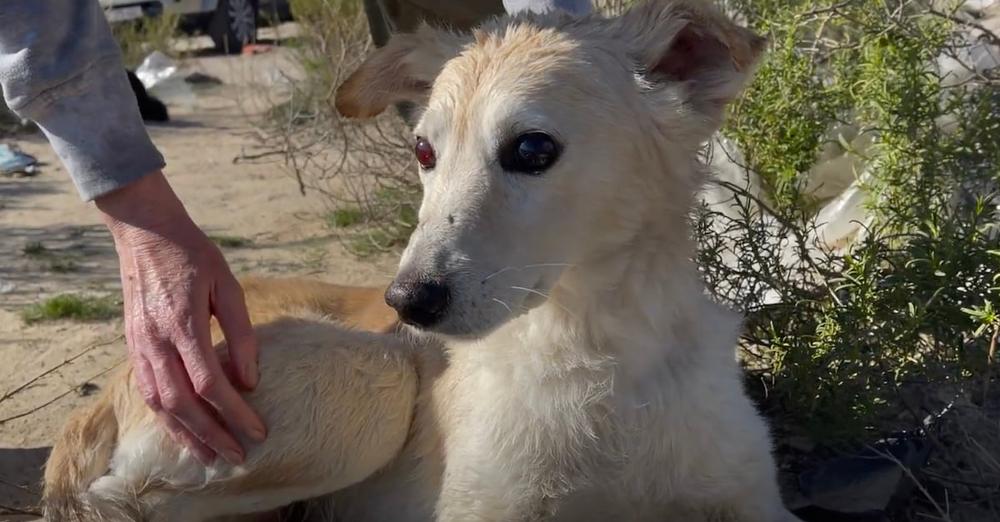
point(912, 301)
point(74, 307)
point(138, 38)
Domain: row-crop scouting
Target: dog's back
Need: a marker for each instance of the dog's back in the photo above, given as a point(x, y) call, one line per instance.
point(112, 463)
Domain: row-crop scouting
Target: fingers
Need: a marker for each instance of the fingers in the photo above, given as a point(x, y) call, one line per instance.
point(146, 380)
point(209, 382)
point(182, 436)
point(229, 307)
point(179, 402)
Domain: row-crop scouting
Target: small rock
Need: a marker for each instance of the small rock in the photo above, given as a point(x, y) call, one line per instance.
point(87, 389)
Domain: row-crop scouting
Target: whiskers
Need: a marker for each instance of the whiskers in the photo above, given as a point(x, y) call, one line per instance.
point(503, 304)
point(548, 298)
point(525, 267)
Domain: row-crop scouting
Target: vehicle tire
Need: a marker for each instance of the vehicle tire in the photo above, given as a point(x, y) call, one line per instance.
point(234, 24)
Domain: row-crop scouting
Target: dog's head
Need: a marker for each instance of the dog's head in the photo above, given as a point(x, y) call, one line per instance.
point(546, 143)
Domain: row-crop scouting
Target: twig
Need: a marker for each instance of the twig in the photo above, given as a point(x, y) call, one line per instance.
point(243, 156)
point(11, 510)
point(65, 362)
point(26, 489)
point(60, 396)
point(991, 357)
point(994, 39)
point(909, 473)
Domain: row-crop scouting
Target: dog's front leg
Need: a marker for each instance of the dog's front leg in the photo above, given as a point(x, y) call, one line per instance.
point(467, 495)
point(484, 482)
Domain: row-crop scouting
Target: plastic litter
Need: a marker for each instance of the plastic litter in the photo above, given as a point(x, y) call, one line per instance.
point(14, 162)
point(155, 68)
point(162, 78)
point(866, 483)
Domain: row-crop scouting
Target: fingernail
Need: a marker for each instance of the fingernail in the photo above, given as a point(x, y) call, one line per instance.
point(233, 456)
point(250, 375)
point(258, 433)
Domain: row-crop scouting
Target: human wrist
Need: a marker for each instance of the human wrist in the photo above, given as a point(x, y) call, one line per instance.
point(143, 207)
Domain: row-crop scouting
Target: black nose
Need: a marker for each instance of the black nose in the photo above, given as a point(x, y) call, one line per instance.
point(418, 303)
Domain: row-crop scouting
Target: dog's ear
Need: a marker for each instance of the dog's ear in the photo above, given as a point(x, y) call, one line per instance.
point(402, 71)
point(692, 51)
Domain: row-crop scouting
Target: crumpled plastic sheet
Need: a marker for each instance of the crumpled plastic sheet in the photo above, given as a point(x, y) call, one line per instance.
point(155, 68)
point(839, 176)
point(13, 161)
point(161, 77)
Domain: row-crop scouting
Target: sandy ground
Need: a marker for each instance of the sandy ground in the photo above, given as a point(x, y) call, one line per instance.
point(257, 201)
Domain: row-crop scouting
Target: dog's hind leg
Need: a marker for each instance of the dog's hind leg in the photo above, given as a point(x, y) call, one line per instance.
point(337, 403)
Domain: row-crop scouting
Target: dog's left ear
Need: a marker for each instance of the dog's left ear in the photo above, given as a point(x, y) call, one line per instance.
point(402, 71)
point(689, 49)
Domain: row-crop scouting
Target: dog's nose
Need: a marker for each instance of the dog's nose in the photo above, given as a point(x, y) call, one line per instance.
point(418, 303)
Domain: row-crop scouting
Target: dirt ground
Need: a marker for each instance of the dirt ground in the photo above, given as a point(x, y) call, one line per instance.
point(253, 200)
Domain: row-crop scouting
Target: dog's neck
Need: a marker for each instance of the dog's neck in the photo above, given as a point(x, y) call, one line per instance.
point(640, 308)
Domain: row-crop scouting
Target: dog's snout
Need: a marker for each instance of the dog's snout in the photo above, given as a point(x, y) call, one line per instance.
point(420, 303)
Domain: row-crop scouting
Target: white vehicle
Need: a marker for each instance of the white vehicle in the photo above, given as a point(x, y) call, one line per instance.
point(231, 23)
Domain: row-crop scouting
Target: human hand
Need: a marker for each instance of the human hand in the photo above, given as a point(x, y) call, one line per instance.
point(173, 280)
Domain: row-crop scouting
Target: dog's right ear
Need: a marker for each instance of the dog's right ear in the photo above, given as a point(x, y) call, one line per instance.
point(402, 71)
point(690, 52)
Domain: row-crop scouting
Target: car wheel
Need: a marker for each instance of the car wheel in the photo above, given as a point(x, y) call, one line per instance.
point(234, 25)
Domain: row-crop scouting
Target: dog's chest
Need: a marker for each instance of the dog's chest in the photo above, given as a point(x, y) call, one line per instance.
point(531, 418)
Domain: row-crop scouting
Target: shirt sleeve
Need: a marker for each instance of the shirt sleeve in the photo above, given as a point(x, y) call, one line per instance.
point(573, 7)
point(61, 68)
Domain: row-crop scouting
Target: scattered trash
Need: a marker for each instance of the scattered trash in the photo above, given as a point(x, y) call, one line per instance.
point(155, 68)
point(866, 483)
point(251, 49)
point(6, 287)
point(161, 77)
point(150, 108)
point(13, 162)
point(197, 78)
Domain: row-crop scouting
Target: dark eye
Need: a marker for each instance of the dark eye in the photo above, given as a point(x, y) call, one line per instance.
point(425, 153)
point(529, 153)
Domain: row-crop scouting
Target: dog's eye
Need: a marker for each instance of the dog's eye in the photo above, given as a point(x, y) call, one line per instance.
point(530, 153)
point(425, 153)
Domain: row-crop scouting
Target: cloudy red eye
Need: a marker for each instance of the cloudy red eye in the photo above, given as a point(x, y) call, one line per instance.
point(425, 153)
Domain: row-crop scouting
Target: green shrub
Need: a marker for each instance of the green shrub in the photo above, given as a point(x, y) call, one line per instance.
point(911, 302)
point(72, 306)
point(231, 241)
point(345, 217)
point(138, 38)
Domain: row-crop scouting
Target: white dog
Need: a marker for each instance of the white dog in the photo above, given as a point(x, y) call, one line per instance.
point(581, 374)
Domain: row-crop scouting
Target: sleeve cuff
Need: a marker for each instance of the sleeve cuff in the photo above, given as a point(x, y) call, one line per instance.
point(94, 125)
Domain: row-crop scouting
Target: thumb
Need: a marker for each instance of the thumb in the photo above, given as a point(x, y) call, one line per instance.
point(229, 307)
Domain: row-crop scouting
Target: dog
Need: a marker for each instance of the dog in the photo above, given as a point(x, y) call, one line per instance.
point(150, 108)
point(563, 361)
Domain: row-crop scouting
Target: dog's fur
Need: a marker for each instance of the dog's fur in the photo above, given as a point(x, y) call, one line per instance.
point(579, 373)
